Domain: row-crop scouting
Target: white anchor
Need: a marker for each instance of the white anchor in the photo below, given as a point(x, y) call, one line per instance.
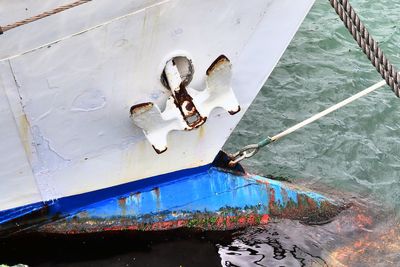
point(186, 108)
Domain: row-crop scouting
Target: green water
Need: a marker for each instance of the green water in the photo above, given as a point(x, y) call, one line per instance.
point(357, 148)
point(355, 152)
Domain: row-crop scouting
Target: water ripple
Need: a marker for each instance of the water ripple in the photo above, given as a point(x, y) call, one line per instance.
point(356, 148)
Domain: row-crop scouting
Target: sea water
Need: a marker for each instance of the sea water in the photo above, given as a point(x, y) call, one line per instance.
point(353, 154)
point(354, 151)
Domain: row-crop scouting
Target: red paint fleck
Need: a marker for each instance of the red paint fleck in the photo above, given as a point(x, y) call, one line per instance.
point(220, 222)
point(264, 219)
point(163, 225)
point(251, 219)
point(181, 223)
point(271, 197)
point(242, 220)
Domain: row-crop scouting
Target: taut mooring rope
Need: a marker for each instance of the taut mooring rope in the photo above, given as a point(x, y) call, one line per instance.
point(42, 15)
point(251, 150)
point(368, 45)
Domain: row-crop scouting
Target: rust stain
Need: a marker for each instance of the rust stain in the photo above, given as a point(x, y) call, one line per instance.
point(311, 203)
point(222, 59)
point(25, 135)
point(301, 205)
point(158, 151)
point(195, 221)
point(305, 209)
point(184, 102)
point(141, 108)
point(138, 196)
point(122, 202)
point(157, 194)
point(156, 191)
point(201, 132)
point(271, 198)
point(233, 112)
point(122, 205)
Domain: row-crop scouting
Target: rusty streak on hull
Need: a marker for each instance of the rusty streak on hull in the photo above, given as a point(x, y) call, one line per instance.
point(215, 200)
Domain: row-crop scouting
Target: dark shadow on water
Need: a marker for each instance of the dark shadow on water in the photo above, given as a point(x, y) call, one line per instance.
point(270, 246)
point(170, 248)
point(363, 235)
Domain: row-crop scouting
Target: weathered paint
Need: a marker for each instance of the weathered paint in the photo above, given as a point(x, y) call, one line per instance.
point(76, 79)
point(20, 218)
point(186, 109)
point(215, 199)
point(174, 72)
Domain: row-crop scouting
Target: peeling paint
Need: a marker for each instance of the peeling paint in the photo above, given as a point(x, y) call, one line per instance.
point(177, 75)
point(186, 109)
point(141, 108)
point(219, 62)
point(48, 158)
point(214, 200)
point(65, 72)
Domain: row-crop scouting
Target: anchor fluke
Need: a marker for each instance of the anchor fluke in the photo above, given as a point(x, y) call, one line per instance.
point(186, 108)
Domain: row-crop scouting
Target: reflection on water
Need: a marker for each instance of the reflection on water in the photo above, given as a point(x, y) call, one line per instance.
point(355, 149)
point(268, 247)
point(363, 235)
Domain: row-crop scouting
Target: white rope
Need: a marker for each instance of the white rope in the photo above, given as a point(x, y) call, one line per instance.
point(251, 150)
point(329, 110)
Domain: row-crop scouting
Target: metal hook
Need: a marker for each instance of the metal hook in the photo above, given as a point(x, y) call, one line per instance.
point(244, 153)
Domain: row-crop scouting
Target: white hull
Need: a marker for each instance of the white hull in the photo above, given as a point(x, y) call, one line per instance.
point(67, 83)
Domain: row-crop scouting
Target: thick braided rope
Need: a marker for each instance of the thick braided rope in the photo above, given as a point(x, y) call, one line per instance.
point(371, 49)
point(42, 15)
point(369, 46)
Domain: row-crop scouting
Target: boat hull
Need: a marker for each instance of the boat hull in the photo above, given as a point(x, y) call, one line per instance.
point(209, 198)
point(68, 82)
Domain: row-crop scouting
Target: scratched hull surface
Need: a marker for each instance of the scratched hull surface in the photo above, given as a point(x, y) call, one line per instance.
point(213, 199)
point(67, 83)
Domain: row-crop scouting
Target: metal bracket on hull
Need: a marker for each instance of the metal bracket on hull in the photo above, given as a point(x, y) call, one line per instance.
point(186, 108)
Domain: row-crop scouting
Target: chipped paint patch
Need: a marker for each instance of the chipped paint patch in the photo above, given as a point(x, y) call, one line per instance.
point(141, 108)
point(186, 108)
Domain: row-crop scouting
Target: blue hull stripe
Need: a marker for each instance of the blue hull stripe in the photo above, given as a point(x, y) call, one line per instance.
point(66, 205)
